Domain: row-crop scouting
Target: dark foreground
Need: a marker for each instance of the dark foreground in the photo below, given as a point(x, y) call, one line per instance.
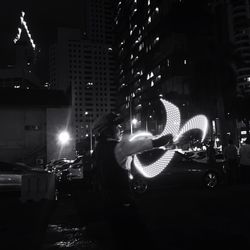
point(176, 218)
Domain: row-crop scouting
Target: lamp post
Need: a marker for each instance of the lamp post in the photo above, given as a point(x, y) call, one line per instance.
point(90, 131)
point(133, 123)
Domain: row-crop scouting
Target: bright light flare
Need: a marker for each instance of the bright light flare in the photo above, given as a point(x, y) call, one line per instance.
point(64, 137)
point(134, 121)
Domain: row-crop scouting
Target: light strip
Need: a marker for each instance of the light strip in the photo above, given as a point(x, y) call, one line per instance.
point(198, 122)
point(141, 134)
point(173, 119)
point(172, 126)
point(18, 36)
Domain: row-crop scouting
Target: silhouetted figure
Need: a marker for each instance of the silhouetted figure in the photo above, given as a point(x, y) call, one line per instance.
point(118, 206)
point(231, 157)
point(245, 161)
point(211, 153)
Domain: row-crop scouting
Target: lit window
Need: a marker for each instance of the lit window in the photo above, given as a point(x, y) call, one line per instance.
point(149, 19)
point(152, 84)
point(168, 62)
point(156, 40)
point(141, 46)
point(148, 2)
point(248, 79)
point(90, 84)
point(185, 61)
point(158, 77)
point(157, 9)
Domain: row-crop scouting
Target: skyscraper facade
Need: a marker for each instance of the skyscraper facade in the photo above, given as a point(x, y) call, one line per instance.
point(160, 45)
point(82, 64)
point(239, 29)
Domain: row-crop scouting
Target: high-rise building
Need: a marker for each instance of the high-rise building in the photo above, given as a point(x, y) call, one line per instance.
point(160, 46)
point(233, 29)
point(239, 29)
point(82, 63)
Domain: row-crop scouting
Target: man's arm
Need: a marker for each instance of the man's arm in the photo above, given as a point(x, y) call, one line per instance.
point(127, 148)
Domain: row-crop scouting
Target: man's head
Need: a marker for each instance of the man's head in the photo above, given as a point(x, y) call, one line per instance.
point(107, 126)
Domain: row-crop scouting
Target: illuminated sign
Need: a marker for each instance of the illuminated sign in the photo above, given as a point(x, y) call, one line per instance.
point(172, 126)
point(24, 24)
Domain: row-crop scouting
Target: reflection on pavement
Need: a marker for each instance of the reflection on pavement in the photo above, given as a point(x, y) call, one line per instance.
point(67, 237)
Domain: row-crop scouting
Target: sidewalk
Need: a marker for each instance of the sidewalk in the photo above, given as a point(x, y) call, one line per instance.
point(23, 224)
point(66, 229)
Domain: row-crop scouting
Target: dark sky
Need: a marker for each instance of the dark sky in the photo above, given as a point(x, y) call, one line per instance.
point(42, 17)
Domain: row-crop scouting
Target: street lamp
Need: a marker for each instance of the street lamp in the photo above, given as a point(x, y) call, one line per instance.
point(133, 122)
point(90, 132)
point(64, 137)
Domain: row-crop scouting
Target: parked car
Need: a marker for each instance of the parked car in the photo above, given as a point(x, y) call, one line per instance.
point(75, 170)
point(53, 165)
point(182, 171)
point(201, 156)
point(11, 175)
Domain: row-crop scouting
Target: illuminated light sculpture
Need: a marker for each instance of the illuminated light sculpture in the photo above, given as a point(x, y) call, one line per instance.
point(172, 126)
point(24, 24)
point(141, 134)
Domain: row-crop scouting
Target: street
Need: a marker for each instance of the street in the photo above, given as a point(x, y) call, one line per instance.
point(177, 218)
point(199, 219)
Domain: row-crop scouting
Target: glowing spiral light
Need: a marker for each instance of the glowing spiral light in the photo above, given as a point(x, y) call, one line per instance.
point(197, 122)
point(173, 119)
point(172, 126)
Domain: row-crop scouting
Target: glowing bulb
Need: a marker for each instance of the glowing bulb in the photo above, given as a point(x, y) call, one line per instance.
point(64, 137)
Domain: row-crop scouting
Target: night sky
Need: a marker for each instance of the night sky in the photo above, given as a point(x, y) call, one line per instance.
point(43, 18)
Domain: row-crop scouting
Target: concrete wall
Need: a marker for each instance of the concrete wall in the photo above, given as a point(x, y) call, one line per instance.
point(22, 134)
